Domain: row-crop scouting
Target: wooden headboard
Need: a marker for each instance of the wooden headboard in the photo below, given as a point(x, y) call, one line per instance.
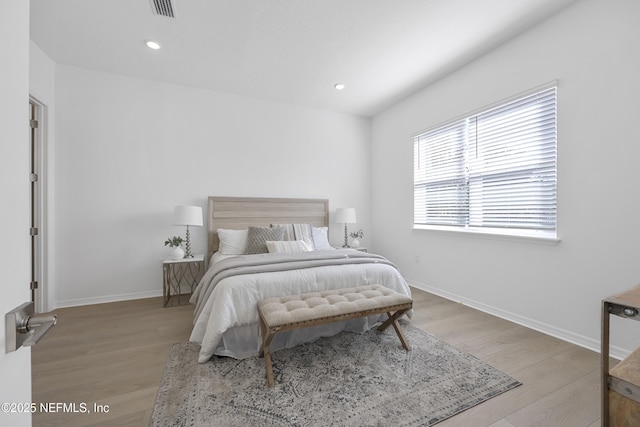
point(240, 212)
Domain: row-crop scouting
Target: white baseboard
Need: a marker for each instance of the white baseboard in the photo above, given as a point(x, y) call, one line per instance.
point(563, 334)
point(109, 298)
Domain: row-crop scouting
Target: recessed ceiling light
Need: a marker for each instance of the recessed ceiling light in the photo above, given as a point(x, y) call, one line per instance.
point(153, 44)
point(339, 86)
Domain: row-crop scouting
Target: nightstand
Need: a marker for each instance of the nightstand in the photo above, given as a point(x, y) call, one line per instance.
point(177, 273)
point(360, 248)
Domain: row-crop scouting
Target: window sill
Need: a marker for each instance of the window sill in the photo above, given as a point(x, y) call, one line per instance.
point(495, 233)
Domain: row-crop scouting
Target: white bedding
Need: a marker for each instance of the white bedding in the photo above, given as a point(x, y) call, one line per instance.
point(226, 321)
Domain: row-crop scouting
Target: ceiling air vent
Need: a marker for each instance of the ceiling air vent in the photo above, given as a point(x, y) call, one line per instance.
point(162, 8)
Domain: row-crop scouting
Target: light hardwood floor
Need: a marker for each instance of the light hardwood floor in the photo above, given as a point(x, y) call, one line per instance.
point(113, 355)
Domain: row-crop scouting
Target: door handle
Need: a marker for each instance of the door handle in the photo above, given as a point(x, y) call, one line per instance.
point(22, 327)
point(39, 325)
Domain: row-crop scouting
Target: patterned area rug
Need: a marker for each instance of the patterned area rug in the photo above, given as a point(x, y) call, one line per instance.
point(349, 379)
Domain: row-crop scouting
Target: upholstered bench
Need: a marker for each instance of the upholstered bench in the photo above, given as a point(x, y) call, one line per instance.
point(317, 308)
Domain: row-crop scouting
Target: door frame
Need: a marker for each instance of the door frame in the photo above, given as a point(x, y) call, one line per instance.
point(41, 211)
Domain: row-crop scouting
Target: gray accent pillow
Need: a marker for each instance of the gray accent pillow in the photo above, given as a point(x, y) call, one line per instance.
point(258, 236)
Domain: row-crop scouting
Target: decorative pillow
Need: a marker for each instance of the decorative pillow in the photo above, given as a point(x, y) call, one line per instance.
point(297, 232)
point(232, 242)
point(258, 236)
point(320, 238)
point(287, 246)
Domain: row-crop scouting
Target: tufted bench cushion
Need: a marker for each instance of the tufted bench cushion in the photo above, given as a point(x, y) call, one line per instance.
point(317, 308)
point(317, 305)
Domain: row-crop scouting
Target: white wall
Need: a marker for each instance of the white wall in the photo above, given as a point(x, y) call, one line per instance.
point(129, 150)
point(15, 367)
point(592, 49)
point(41, 75)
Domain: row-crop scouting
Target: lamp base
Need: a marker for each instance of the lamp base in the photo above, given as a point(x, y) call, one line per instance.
point(187, 251)
point(346, 240)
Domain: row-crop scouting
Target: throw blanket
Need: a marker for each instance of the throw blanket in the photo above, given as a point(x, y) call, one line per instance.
point(264, 263)
point(228, 293)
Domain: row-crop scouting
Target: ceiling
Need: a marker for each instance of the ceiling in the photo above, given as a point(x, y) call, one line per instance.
point(291, 51)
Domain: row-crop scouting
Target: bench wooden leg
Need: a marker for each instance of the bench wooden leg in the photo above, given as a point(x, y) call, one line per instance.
point(393, 320)
point(263, 334)
point(403, 338)
point(267, 336)
point(267, 362)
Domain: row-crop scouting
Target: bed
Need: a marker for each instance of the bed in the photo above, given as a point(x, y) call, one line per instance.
point(289, 254)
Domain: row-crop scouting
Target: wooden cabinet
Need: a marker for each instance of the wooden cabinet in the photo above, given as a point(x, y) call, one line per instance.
point(621, 384)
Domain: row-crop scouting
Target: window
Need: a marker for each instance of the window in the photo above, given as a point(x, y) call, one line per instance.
point(492, 172)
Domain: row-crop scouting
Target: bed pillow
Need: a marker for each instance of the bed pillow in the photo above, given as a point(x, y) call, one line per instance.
point(320, 238)
point(232, 242)
point(297, 232)
point(287, 246)
point(258, 236)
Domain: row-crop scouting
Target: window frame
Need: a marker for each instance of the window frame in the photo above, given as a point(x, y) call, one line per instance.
point(548, 234)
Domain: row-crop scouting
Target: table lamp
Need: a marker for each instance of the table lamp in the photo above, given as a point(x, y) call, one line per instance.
point(346, 216)
point(187, 215)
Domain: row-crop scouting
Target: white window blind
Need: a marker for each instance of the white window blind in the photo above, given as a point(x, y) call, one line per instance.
point(495, 170)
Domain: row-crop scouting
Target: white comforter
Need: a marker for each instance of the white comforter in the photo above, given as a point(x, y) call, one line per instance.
point(229, 304)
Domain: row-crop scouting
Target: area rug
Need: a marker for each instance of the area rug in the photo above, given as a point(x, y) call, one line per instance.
point(346, 380)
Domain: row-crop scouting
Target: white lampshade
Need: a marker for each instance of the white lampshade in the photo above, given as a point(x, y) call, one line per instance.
point(187, 215)
point(346, 215)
